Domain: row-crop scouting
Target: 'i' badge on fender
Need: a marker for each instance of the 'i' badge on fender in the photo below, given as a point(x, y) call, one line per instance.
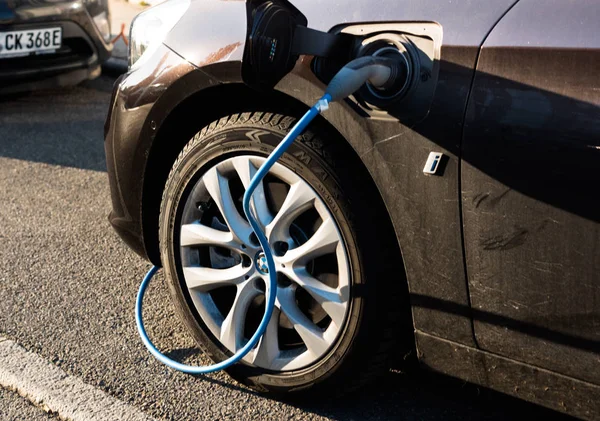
point(433, 162)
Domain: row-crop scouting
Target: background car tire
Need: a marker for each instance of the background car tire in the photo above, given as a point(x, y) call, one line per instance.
point(378, 325)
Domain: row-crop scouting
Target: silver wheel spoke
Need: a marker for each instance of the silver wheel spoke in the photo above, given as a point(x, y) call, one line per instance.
point(268, 346)
point(310, 333)
point(330, 299)
point(218, 188)
point(322, 242)
point(198, 234)
point(299, 198)
point(232, 329)
point(206, 279)
point(246, 170)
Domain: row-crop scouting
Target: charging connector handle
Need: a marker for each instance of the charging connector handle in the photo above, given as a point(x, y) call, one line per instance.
point(378, 71)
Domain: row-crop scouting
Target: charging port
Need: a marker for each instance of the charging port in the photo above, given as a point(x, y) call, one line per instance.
point(399, 49)
point(401, 82)
point(414, 46)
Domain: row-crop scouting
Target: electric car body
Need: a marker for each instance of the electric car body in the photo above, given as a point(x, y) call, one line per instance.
point(45, 44)
point(486, 263)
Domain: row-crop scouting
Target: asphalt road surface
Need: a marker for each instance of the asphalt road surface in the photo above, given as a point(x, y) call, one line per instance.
point(68, 286)
point(15, 408)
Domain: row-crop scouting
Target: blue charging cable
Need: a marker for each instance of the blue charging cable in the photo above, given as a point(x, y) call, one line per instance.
point(379, 72)
point(271, 290)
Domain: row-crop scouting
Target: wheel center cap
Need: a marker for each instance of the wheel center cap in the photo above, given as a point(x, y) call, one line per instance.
point(261, 263)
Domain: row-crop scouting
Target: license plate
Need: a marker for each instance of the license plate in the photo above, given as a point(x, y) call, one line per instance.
point(21, 43)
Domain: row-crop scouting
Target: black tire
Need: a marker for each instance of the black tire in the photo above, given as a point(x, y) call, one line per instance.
point(378, 326)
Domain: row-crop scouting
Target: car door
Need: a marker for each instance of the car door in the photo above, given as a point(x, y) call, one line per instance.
point(531, 188)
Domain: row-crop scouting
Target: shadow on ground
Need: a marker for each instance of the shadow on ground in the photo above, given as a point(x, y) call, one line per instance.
point(59, 127)
point(425, 395)
point(417, 395)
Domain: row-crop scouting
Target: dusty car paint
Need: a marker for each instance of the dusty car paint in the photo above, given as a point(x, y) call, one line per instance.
point(530, 169)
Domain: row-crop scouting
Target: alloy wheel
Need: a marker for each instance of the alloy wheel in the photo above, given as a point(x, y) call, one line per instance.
point(225, 274)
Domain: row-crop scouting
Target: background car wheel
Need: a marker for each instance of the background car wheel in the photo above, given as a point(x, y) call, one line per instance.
point(341, 306)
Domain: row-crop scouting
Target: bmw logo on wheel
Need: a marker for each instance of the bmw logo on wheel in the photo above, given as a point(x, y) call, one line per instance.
point(261, 263)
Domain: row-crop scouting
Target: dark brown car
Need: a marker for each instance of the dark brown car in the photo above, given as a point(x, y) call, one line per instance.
point(457, 221)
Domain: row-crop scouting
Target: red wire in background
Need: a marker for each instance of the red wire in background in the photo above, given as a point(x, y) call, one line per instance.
point(121, 35)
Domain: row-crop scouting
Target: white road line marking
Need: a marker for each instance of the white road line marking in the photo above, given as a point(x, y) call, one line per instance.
point(49, 386)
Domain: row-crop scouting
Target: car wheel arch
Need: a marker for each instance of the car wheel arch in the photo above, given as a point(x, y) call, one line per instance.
point(293, 95)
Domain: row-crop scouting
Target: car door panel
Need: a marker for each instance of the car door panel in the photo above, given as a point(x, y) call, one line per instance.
point(530, 184)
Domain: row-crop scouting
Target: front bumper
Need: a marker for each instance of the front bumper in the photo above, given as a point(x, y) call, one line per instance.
point(142, 100)
point(83, 48)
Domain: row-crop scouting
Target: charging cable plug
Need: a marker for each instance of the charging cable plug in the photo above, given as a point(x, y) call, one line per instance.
point(380, 72)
